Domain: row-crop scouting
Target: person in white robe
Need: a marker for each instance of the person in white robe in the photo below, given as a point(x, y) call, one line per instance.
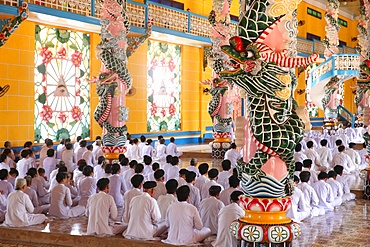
point(182, 176)
point(355, 157)
point(167, 165)
point(43, 179)
point(60, 148)
point(43, 209)
point(117, 189)
point(3, 164)
point(81, 150)
point(97, 150)
point(161, 187)
point(61, 201)
point(148, 149)
point(77, 173)
point(24, 163)
point(213, 176)
point(127, 175)
point(5, 186)
point(50, 162)
point(225, 217)
point(307, 166)
point(20, 209)
point(202, 179)
point(69, 157)
point(172, 148)
point(42, 193)
point(160, 151)
point(223, 177)
point(313, 155)
point(76, 145)
point(338, 143)
point(2, 207)
point(43, 152)
point(155, 167)
point(233, 186)
point(194, 191)
point(135, 152)
point(141, 145)
point(325, 154)
point(87, 185)
point(299, 156)
point(88, 156)
point(311, 201)
point(101, 212)
point(137, 184)
point(144, 216)
point(336, 187)
point(173, 171)
point(325, 193)
point(193, 166)
point(183, 221)
point(343, 159)
point(233, 155)
point(164, 201)
point(347, 195)
point(210, 207)
point(147, 166)
point(296, 212)
point(99, 169)
point(363, 154)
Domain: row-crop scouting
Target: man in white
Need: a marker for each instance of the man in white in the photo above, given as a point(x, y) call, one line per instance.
point(210, 207)
point(61, 201)
point(347, 195)
point(336, 187)
point(233, 186)
point(141, 145)
point(161, 187)
point(325, 193)
point(202, 179)
point(213, 176)
point(97, 149)
point(172, 148)
point(312, 155)
point(233, 155)
point(144, 216)
point(69, 157)
point(341, 158)
point(225, 217)
point(89, 156)
point(183, 220)
point(43, 152)
point(24, 163)
point(165, 201)
point(60, 148)
point(299, 156)
point(355, 157)
point(295, 212)
point(194, 191)
point(50, 162)
point(87, 185)
point(137, 184)
point(126, 176)
point(325, 154)
point(81, 150)
point(223, 177)
point(76, 145)
point(117, 189)
point(20, 208)
point(101, 210)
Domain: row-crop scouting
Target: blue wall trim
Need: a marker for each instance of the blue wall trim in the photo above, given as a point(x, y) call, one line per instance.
point(181, 34)
point(209, 128)
point(8, 9)
point(167, 134)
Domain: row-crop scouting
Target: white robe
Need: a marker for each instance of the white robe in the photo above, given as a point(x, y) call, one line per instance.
point(193, 169)
point(42, 194)
point(225, 217)
point(204, 192)
point(61, 202)
point(116, 189)
point(164, 202)
point(336, 187)
point(295, 212)
point(22, 166)
point(172, 150)
point(19, 211)
point(194, 195)
point(311, 201)
point(70, 159)
point(299, 157)
point(355, 157)
point(127, 197)
point(159, 190)
point(223, 179)
point(148, 150)
point(312, 155)
point(135, 152)
point(347, 195)
point(325, 195)
point(185, 225)
point(208, 210)
point(225, 195)
point(87, 188)
point(80, 153)
point(89, 157)
point(173, 173)
point(126, 178)
point(326, 157)
point(6, 187)
point(161, 153)
point(200, 181)
point(50, 164)
point(144, 216)
point(33, 197)
point(344, 160)
point(233, 155)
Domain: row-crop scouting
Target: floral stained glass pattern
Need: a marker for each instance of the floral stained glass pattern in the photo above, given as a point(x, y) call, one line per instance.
point(62, 108)
point(163, 106)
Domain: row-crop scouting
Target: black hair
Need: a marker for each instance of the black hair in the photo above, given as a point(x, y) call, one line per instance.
point(24, 153)
point(102, 183)
point(235, 195)
point(213, 173)
point(155, 166)
point(147, 160)
point(307, 163)
point(309, 144)
point(174, 160)
point(83, 143)
point(3, 174)
point(296, 179)
point(87, 170)
point(13, 171)
point(41, 170)
point(115, 168)
point(168, 159)
point(203, 168)
point(323, 142)
point(234, 181)
point(158, 174)
point(341, 148)
point(142, 138)
point(183, 193)
point(32, 172)
point(190, 176)
point(332, 174)
point(298, 166)
point(305, 176)
point(133, 163)
point(60, 176)
point(136, 180)
point(214, 190)
point(50, 152)
point(338, 169)
point(171, 186)
point(226, 165)
point(124, 161)
point(139, 168)
point(108, 168)
point(338, 142)
point(322, 175)
point(298, 147)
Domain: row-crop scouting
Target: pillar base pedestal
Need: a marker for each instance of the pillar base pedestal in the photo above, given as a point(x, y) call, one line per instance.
point(112, 152)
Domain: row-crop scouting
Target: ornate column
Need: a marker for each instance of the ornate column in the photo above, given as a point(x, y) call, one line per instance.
point(259, 63)
point(114, 80)
point(220, 105)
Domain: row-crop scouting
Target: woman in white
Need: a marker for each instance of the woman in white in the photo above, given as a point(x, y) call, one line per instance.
point(69, 157)
point(161, 151)
point(87, 185)
point(20, 208)
point(135, 150)
point(148, 149)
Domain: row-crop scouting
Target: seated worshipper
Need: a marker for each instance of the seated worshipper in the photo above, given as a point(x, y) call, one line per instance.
point(135, 152)
point(299, 156)
point(81, 150)
point(126, 176)
point(42, 194)
point(24, 163)
point(99, 168)
point(98, 150)
point(44, 149)
point(233, 155)
point(5, 186)
point(3, 164)
point(347, 195)
point(50, 162)
point(210, 207)
point(194, 191)
point(185, 226)
point(61, 201)
point(193, 166)
point(76, 145)
point(87, 185)
point(161, 151)
point(233, 186)
point(343, 159)
point(161, 187)
point(336, 187)
point(141, 145)
point(43, 179)
point(338, 143)
point(225, 217)
point(155, 167)
point(69, 157)
point(202, 179)
point(213, 176)
point(53, 174)
point(8, 158)
point(325, 193)
point(148, 149)
point(147, 167)
point(107, 171)
point(20, 209)
point(363, 155)
point(117, 189)
point(182, 176)
point(167, 165)
point(101, 210)
point(311, 201)
point(77, 173)
point(2, 207)
point(295, 212)
point(307, 166)
point(298, 168)
point(223, 177)
point(60, 148)
point(88, 156)
point(13, 176)
point(137, 184)
point(165, 201)
point(325, 154)
point(353, 154)
point(144, 216)
point(124, 164)
point(313, 155)
point(172, 148)
point(173, 171)
point(44, 209)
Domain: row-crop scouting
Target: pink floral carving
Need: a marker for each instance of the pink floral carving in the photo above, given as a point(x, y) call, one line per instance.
point(76, 113)
point(62, 52)
point(76, 58)
point(46, 55)
point(62, 117)
point(46, 113)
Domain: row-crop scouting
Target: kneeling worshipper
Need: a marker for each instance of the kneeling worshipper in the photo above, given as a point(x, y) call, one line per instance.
point(102, 211)
point(20, 208)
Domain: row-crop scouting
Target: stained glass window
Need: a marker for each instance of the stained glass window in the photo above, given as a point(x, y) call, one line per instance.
point(163, 105)
point(62, 108)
